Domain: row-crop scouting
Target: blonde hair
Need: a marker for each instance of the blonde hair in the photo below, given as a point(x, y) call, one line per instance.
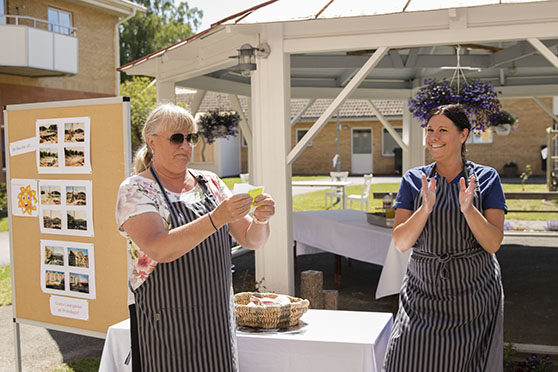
point(168, 117)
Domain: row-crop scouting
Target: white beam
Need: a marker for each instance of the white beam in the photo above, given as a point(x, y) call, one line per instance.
point(245, 127)
point(165, 91)
point(198, 98)
point(302, 111)
point(547, 53)
point(217, 85)
point(244, 123)
point(271, 141)
point(337, 102)
point(387, 125)
point(546, 108)
point(413, 136)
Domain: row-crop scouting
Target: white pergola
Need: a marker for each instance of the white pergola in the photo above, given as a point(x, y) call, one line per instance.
point(368, 57)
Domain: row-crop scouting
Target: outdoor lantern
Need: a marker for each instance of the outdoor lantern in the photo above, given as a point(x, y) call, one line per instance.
point(246, 59)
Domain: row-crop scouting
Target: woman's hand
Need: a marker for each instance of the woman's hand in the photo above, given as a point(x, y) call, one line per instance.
point(265, 207)
point(467, 195)
point(232, 209)
point(428, 194)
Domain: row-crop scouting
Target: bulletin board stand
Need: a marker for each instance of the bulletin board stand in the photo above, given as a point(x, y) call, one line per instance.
point(110, 159)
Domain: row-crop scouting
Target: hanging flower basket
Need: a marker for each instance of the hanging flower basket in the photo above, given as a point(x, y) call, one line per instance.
point(216, 124)
point(478, 98)
point(502, 122)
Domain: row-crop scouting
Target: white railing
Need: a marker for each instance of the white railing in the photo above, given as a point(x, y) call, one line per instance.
point(51, 26)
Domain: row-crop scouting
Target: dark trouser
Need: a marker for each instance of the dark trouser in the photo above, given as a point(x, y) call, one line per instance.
point(136, 361)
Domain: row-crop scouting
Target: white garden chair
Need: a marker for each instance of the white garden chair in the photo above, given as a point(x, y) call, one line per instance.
point(364, 195)
point(336, 193)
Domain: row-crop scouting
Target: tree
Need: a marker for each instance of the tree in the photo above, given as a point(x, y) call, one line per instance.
point(143, 98)
point(163, 24)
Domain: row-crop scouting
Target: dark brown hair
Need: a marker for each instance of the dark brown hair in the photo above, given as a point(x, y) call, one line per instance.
point(459, 118)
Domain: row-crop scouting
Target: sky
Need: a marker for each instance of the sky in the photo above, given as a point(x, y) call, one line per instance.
point(216, 10)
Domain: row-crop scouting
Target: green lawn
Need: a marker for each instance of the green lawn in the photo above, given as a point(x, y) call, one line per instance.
point(5, 286)
point(79, 365)
point(316, 200)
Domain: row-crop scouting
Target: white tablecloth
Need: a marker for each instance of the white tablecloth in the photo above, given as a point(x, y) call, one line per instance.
point(346, 232)
point(331, 341)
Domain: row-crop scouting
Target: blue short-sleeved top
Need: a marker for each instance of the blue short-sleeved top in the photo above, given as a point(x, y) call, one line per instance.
point(488, 179)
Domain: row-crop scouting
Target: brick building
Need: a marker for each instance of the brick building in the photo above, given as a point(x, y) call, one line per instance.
point(522, 146)
point(56, 50)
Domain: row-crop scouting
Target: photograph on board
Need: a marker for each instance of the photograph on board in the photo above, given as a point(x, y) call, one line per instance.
point(78, 257)
point(50, 195)
point(52, 219)
point(74, 132)
point(54, 255)
point(48, 157)
point(54, 280)
point(76, 195)
point(77, 220)
point(79, 282)
point(74, 156)
point(48, 133)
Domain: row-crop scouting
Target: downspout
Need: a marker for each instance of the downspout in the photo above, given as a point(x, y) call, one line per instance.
point(117, 43)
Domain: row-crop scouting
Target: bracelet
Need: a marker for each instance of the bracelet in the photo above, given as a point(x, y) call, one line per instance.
point(259, 222)
point(211, 220)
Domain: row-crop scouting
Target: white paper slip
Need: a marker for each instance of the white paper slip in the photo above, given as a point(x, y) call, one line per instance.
point(69, 307)
point(23, 146)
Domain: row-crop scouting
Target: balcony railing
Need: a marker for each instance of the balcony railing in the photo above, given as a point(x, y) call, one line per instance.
point(11, 19)
point(37, 48)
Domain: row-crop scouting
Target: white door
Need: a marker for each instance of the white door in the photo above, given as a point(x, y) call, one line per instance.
point(361, 151)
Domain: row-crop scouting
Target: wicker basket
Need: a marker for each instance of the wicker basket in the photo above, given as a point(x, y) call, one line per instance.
point(268, 316)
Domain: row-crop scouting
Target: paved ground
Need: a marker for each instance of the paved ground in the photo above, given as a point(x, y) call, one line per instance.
point(529, 274)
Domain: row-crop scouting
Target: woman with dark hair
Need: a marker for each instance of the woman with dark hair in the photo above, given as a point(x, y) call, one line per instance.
point(451, 213)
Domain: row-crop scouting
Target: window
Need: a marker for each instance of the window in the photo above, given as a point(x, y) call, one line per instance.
point(59, 21)
point(300, 133)
point(362, 141)
point(2, 11)
point(388, 143)
point(480, 138)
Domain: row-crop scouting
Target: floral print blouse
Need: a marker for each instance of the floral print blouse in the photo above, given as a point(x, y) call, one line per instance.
point(139, 195)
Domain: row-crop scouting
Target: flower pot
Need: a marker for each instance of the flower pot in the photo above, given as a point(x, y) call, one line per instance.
point(502, 129)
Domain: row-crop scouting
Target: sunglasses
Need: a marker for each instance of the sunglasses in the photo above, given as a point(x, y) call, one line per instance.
point(178, 138)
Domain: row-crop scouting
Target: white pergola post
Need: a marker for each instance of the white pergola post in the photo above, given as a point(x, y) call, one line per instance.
point(413, 135)
point(165, 91)
point(271, 142)
point(245, 126)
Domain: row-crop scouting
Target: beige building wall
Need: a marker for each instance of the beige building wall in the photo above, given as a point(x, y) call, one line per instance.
point(96, 51)
point(522, 146)
point(317, 159)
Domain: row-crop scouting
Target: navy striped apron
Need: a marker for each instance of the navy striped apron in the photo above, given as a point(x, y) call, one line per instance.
point(184, 308)
point(451, 301)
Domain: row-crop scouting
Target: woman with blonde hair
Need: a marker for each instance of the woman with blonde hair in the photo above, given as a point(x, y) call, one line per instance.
point(178, 222)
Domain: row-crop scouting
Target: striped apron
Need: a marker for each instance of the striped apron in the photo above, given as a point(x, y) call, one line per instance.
point(451, 301)
point(184, 308)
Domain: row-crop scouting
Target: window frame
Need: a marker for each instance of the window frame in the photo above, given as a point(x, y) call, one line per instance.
point(58, 28)
point(472, 136)
point(385, 131)
point(305, 130)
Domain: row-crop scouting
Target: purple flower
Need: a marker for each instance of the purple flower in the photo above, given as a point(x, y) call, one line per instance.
point(218, 124)
point(479, 99)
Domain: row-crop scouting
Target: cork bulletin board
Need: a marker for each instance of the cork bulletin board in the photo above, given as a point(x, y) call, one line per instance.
point(64, 163)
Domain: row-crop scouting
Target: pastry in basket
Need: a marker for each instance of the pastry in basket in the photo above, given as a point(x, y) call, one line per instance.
point(268, 310)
